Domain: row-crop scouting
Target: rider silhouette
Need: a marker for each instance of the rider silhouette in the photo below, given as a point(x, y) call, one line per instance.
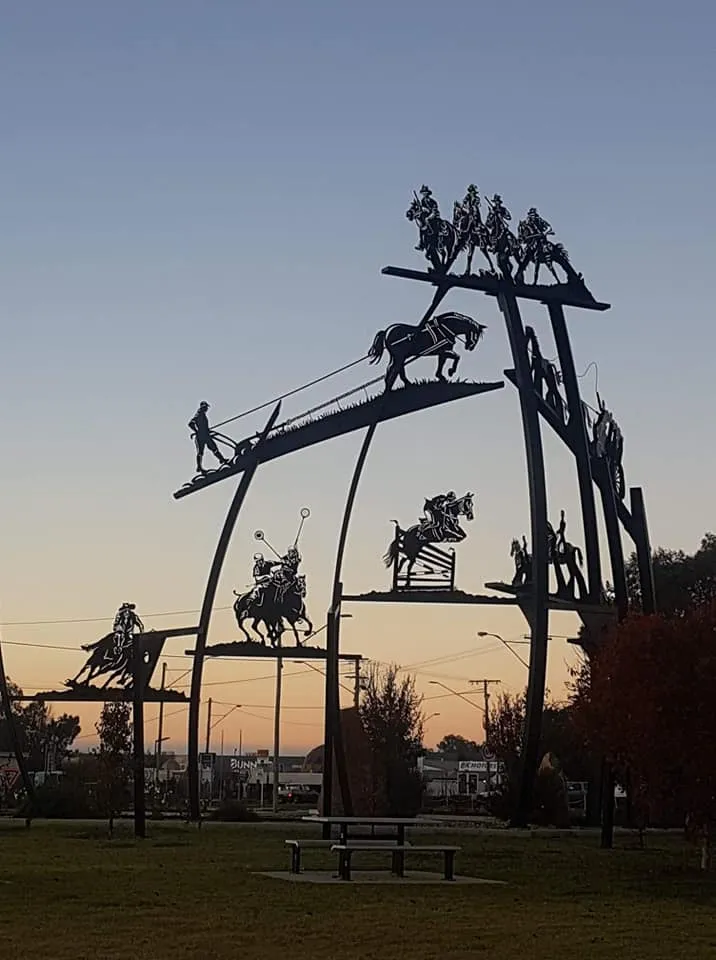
point(560, 541)
point(430, 212)
point(441, 515)
point(497, 218)
point(534, 228)
point(262, 574)
point(203, 437)
point(126, 622)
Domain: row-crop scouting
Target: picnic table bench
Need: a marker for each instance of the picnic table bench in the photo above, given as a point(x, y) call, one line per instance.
point(296, 846)
point(345, 852)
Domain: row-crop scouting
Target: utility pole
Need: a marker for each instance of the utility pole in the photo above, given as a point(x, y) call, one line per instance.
point(486, 721)
point(140, 813)
point(160, 730)
point(277, 735)
point(486, 701)
point(208, 726)
point(356, 682)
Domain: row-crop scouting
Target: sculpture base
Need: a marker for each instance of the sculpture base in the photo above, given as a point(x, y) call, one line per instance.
point(243, 648)
point(524, 596)
point(90, 694)
point(427, 596)
point(567, 294)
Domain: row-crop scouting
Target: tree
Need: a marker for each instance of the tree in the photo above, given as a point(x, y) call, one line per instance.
point(115, 752)
point(561, 748)
point(45, 739)
point(391, 716)
point(645, 701)
point(507, 723)
point(681, 580)
point(460, 746)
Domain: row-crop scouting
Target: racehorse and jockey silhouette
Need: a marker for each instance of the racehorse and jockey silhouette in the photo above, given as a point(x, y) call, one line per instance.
point(436, 337)
point(112, 654)
point(440, 525)
point(278, 594)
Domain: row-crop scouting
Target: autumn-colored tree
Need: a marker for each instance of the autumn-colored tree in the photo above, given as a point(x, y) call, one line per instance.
point(646, 702)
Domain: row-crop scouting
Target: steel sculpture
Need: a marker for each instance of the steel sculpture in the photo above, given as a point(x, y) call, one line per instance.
point(436, 337)
point(548, 392)
point(278, 594)
point(417, 543)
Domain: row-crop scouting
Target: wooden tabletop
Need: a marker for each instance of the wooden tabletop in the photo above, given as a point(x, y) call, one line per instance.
point(367, 821)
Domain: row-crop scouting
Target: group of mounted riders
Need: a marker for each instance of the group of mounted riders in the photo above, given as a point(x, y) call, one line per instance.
point(442, 240)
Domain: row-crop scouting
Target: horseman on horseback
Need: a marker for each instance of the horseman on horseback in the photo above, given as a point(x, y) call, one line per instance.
point(429, 223)
point(442, 525)
point(437, 237)
point(278, 592)
point(500, 239)
point(112, 654)
point(471, 231)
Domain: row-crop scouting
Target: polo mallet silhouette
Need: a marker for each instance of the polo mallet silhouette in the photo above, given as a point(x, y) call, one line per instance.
point(259, 535)
point(305, 513)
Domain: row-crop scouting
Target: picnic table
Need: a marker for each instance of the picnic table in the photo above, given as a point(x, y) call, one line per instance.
point(345, 824)
point(396, 835)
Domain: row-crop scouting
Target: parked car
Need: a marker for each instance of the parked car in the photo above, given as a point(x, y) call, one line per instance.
point(298, 793)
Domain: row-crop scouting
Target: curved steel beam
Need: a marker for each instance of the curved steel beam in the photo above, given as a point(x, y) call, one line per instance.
point(205, 617)
point(15, 739)
point(333, 740)
point(649, 599)
point(538, 611)
point(580, 448)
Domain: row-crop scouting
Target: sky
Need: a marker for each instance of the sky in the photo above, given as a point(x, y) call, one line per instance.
point(198, 198)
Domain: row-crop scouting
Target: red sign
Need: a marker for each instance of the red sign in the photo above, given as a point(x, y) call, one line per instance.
point(8, 777)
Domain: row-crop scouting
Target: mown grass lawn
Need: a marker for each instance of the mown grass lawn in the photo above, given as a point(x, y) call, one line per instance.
point(68, 893)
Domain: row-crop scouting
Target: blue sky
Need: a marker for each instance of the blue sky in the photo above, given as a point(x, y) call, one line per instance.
point(198, 199)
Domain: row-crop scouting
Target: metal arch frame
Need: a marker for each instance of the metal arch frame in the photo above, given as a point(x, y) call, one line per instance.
point(333, 736)
point(580, 448)
point(205, 617)
point(537, 612)
point(589, 473)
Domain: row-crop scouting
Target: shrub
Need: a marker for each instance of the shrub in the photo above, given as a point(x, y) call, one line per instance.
point(233, 811)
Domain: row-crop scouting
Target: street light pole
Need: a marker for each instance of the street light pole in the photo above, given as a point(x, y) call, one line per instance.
point(277, 735)
point(484, 633)
point(160, 730)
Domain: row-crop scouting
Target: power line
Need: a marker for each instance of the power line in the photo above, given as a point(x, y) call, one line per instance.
point(146, 616)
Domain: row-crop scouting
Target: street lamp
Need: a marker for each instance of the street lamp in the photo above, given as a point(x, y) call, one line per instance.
point(430, 717)
point(484, 633)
